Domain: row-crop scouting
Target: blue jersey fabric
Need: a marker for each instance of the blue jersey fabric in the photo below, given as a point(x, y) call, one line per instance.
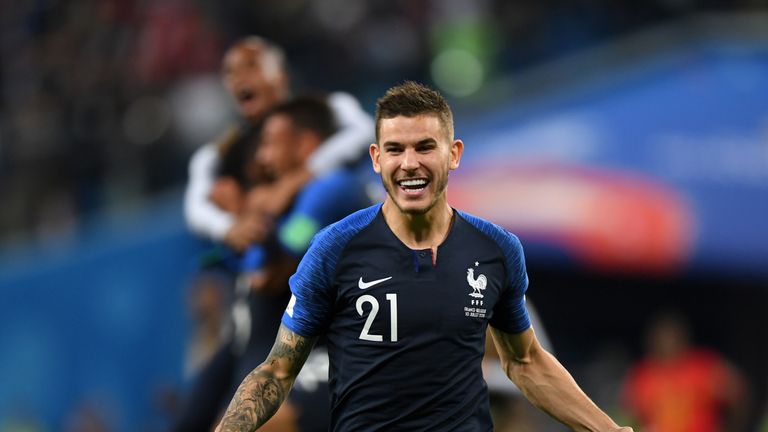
point(405, 337)
point(322, 201)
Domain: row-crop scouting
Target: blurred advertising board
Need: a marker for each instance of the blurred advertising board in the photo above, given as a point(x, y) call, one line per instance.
point(661, 167)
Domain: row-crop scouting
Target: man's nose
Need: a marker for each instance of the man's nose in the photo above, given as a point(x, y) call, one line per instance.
point(264, 155)
point(410, 160)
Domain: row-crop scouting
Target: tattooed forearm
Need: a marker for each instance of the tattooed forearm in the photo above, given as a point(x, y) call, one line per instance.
point(264, 389)
point(255, 402)
point(291, 348)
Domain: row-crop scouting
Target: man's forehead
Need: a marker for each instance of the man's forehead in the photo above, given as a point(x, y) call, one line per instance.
point(251, 50)
point(416, 128)
point(278, 122)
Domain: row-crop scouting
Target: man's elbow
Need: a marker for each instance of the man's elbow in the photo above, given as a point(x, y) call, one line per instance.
point(528, 368)
point(515, 367)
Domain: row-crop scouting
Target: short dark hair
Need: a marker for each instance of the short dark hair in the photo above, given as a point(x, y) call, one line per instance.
point(410, 99)
point(309, 112)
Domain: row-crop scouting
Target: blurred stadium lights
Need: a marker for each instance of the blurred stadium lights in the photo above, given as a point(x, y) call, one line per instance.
point(201, 109)
point(465, 46)
point(457, 72)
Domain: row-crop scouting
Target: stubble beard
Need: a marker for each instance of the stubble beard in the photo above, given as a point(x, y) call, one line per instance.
point(439, 191)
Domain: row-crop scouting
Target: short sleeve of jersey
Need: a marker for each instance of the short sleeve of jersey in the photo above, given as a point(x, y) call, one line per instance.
point(509, 314)
point(313, 294)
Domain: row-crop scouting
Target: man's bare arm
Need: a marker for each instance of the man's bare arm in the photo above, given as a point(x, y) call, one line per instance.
point(547, 384)
point(264, 389)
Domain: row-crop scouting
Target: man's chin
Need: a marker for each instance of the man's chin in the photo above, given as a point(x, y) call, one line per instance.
point(251, 113)
point(414, 212)
point(412, 209)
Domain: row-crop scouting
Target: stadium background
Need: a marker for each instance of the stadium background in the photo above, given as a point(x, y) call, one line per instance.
point(626, 144)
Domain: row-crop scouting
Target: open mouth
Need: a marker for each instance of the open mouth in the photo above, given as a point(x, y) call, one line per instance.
point(413, 185)
point(246, 95)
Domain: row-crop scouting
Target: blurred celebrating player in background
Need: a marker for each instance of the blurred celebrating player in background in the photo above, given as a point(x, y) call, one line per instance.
point(254, 73)
point(405, 326)
point(233, 199)
point(291, 133)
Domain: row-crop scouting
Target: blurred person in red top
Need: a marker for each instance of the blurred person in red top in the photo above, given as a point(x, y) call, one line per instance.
point(681, 388)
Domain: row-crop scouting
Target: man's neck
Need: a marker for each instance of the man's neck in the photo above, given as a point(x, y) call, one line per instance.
point(419, 231)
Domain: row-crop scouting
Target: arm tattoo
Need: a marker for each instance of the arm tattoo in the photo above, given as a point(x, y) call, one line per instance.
point(255, 401)
point(264, 389)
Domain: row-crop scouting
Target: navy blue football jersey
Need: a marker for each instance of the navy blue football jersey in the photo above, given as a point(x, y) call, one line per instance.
point(405, 337)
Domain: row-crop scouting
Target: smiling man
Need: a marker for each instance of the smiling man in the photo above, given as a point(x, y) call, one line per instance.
point(414, 168)
point(405, 325)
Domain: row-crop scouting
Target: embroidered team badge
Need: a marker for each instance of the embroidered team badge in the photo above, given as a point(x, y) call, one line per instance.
point(478, 285)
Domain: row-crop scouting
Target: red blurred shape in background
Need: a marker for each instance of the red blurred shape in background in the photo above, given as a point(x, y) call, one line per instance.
point(606, 220)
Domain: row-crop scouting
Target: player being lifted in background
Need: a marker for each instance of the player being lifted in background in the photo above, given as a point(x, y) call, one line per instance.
point(405, 327)
point(255, 75)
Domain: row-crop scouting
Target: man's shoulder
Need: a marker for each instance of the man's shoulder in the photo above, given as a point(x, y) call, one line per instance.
point(339, 233)
point(341, 187)
point(329, 244)
point(507, 243)
point(331, 181)
point(495, 232)
point(339, 190)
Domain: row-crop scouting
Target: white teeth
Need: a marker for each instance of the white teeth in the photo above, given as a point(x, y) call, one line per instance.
point(419, 182)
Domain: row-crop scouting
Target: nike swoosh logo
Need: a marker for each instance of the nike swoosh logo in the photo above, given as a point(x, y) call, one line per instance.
point(364, 285)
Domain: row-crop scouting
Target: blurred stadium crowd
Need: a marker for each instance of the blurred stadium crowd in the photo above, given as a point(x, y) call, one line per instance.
point(104, 102)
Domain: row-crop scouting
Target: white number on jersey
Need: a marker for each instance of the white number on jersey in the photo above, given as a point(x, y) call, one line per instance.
point(365, 333)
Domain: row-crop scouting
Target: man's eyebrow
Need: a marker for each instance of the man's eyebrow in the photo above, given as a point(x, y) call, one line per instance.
point(420, 142)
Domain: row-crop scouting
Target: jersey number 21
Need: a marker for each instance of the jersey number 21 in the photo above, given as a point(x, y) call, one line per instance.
point(365, 334)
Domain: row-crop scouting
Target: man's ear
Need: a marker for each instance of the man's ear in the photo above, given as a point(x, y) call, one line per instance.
point(457, 149)
point(374, 151)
